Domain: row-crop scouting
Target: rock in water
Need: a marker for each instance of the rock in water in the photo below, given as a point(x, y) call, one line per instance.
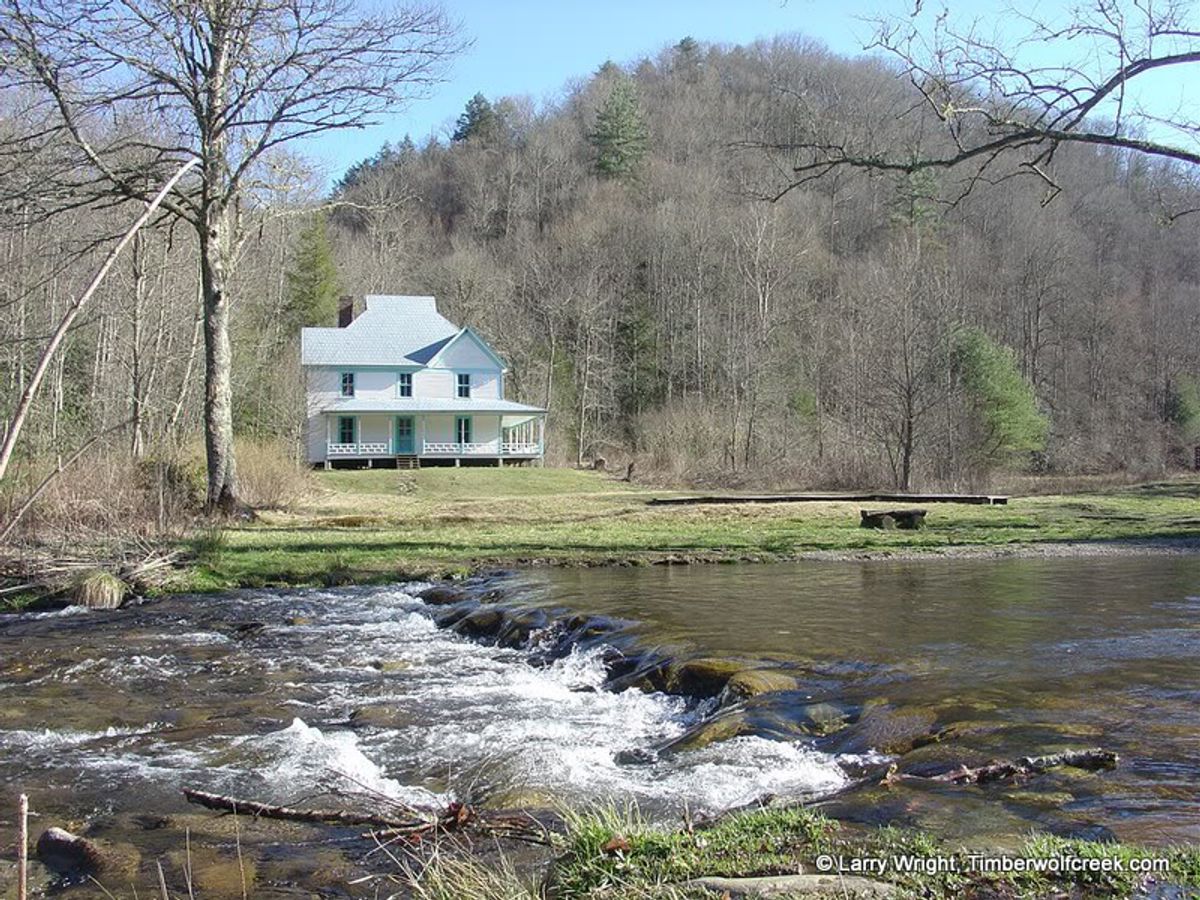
point(70, 854)
point(441, 595)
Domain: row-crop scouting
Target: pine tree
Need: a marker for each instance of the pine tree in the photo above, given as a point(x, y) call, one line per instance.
point(312, 281)
point(478, 120)
point(621, 138)
point(1008, 422)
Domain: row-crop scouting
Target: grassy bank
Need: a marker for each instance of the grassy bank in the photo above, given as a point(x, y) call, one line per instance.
point(615, 856)
point(373, 525)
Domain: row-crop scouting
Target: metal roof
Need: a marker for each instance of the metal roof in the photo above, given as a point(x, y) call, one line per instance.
point(428, 405)
point(392, 330)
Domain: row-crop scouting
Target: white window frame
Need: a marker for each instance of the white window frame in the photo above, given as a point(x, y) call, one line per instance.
point(400, 377)
point(342, 384)
point(458, 385)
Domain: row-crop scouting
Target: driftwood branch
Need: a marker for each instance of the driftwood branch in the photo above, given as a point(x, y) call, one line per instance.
point(455, 818)
point(291, 814)
point(1093, 760)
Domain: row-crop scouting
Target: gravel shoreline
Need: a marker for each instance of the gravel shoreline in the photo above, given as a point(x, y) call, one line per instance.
point(1156, 546)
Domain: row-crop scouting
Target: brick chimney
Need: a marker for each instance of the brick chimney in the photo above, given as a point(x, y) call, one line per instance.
point(345, 310)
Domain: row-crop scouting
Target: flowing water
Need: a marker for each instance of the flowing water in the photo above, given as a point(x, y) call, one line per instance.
point(544, 687)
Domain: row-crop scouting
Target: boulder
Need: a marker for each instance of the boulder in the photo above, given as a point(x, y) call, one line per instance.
point(484, 622)
point(69, 854)
point(752, 682)
point(702, 677)
point(441, 595)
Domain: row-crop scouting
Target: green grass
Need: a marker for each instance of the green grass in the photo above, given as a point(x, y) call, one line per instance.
point(614, 854)
point(384, 524)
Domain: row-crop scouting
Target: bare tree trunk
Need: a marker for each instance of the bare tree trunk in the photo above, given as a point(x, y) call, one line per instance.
point(137, 440)
point(218, 364)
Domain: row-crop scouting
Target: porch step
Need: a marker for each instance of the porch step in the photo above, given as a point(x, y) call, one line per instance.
point(407, 462)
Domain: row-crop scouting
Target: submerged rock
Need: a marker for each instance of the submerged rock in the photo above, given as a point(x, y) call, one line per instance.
point(381, 716)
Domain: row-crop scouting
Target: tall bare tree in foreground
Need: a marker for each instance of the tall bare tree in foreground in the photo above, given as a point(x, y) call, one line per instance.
point(1005, 105)
point(229, 82)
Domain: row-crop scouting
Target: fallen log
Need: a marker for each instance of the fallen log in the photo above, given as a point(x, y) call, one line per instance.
point(1092, 759)
point(257, 809)
point(455, 818)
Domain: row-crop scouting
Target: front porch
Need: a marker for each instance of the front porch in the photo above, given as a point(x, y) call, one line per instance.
point(438, 439)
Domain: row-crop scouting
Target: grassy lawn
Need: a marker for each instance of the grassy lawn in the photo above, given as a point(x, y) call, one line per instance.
point(365, 525)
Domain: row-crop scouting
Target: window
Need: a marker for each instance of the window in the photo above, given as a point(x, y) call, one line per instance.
point(404, 384)
point(462, 429)
point(345, 429)
point(347, 384)
point(464, 385)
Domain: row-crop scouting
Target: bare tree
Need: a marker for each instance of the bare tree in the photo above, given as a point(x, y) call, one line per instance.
point(1003, 110)
point(229, 82)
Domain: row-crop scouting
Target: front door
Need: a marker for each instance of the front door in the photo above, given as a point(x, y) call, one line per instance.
point(404, 435)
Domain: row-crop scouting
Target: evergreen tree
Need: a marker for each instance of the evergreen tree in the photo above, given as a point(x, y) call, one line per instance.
point(478, 120)
point(312, 281)
point(1183, 407)
point(1008, 421)
point(620, 138)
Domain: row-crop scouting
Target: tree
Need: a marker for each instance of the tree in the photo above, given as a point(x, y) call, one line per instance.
point(1183, 408)
point(1006, 108)
point(1007, 421)
point(312, 279)
point(479, 119)
point(229, 82)
point(620, 137)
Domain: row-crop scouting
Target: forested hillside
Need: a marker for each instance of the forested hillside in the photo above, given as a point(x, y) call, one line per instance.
point(627, 249)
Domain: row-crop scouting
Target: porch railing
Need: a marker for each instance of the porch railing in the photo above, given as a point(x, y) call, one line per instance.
point(521, 448)
point(437, 448)
point(365, 448)
point(464, 449)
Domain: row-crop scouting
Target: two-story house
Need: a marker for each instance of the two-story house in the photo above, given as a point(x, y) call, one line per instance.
point(401, 385)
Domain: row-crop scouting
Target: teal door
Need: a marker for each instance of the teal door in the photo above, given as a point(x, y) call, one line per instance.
point(405, 443)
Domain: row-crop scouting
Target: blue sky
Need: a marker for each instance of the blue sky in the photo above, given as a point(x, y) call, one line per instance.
point(534, 47)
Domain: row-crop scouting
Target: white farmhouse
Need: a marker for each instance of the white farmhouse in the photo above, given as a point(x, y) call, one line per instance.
point(400, 385)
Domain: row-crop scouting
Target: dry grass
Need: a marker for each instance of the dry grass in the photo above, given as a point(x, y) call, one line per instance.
point(98, 589)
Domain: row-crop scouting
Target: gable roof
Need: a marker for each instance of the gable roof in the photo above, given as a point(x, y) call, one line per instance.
point(392, 330)
point(468, 332)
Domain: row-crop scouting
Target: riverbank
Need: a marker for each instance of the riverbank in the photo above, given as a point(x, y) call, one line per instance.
point(795, 852)
point(380, 525)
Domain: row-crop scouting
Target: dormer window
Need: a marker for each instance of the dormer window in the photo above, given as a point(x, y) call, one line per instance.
point(347, 384)
point(404, 384)
point(464, 386)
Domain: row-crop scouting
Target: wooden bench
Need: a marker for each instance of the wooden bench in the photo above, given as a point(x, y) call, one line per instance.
point(908, 519)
